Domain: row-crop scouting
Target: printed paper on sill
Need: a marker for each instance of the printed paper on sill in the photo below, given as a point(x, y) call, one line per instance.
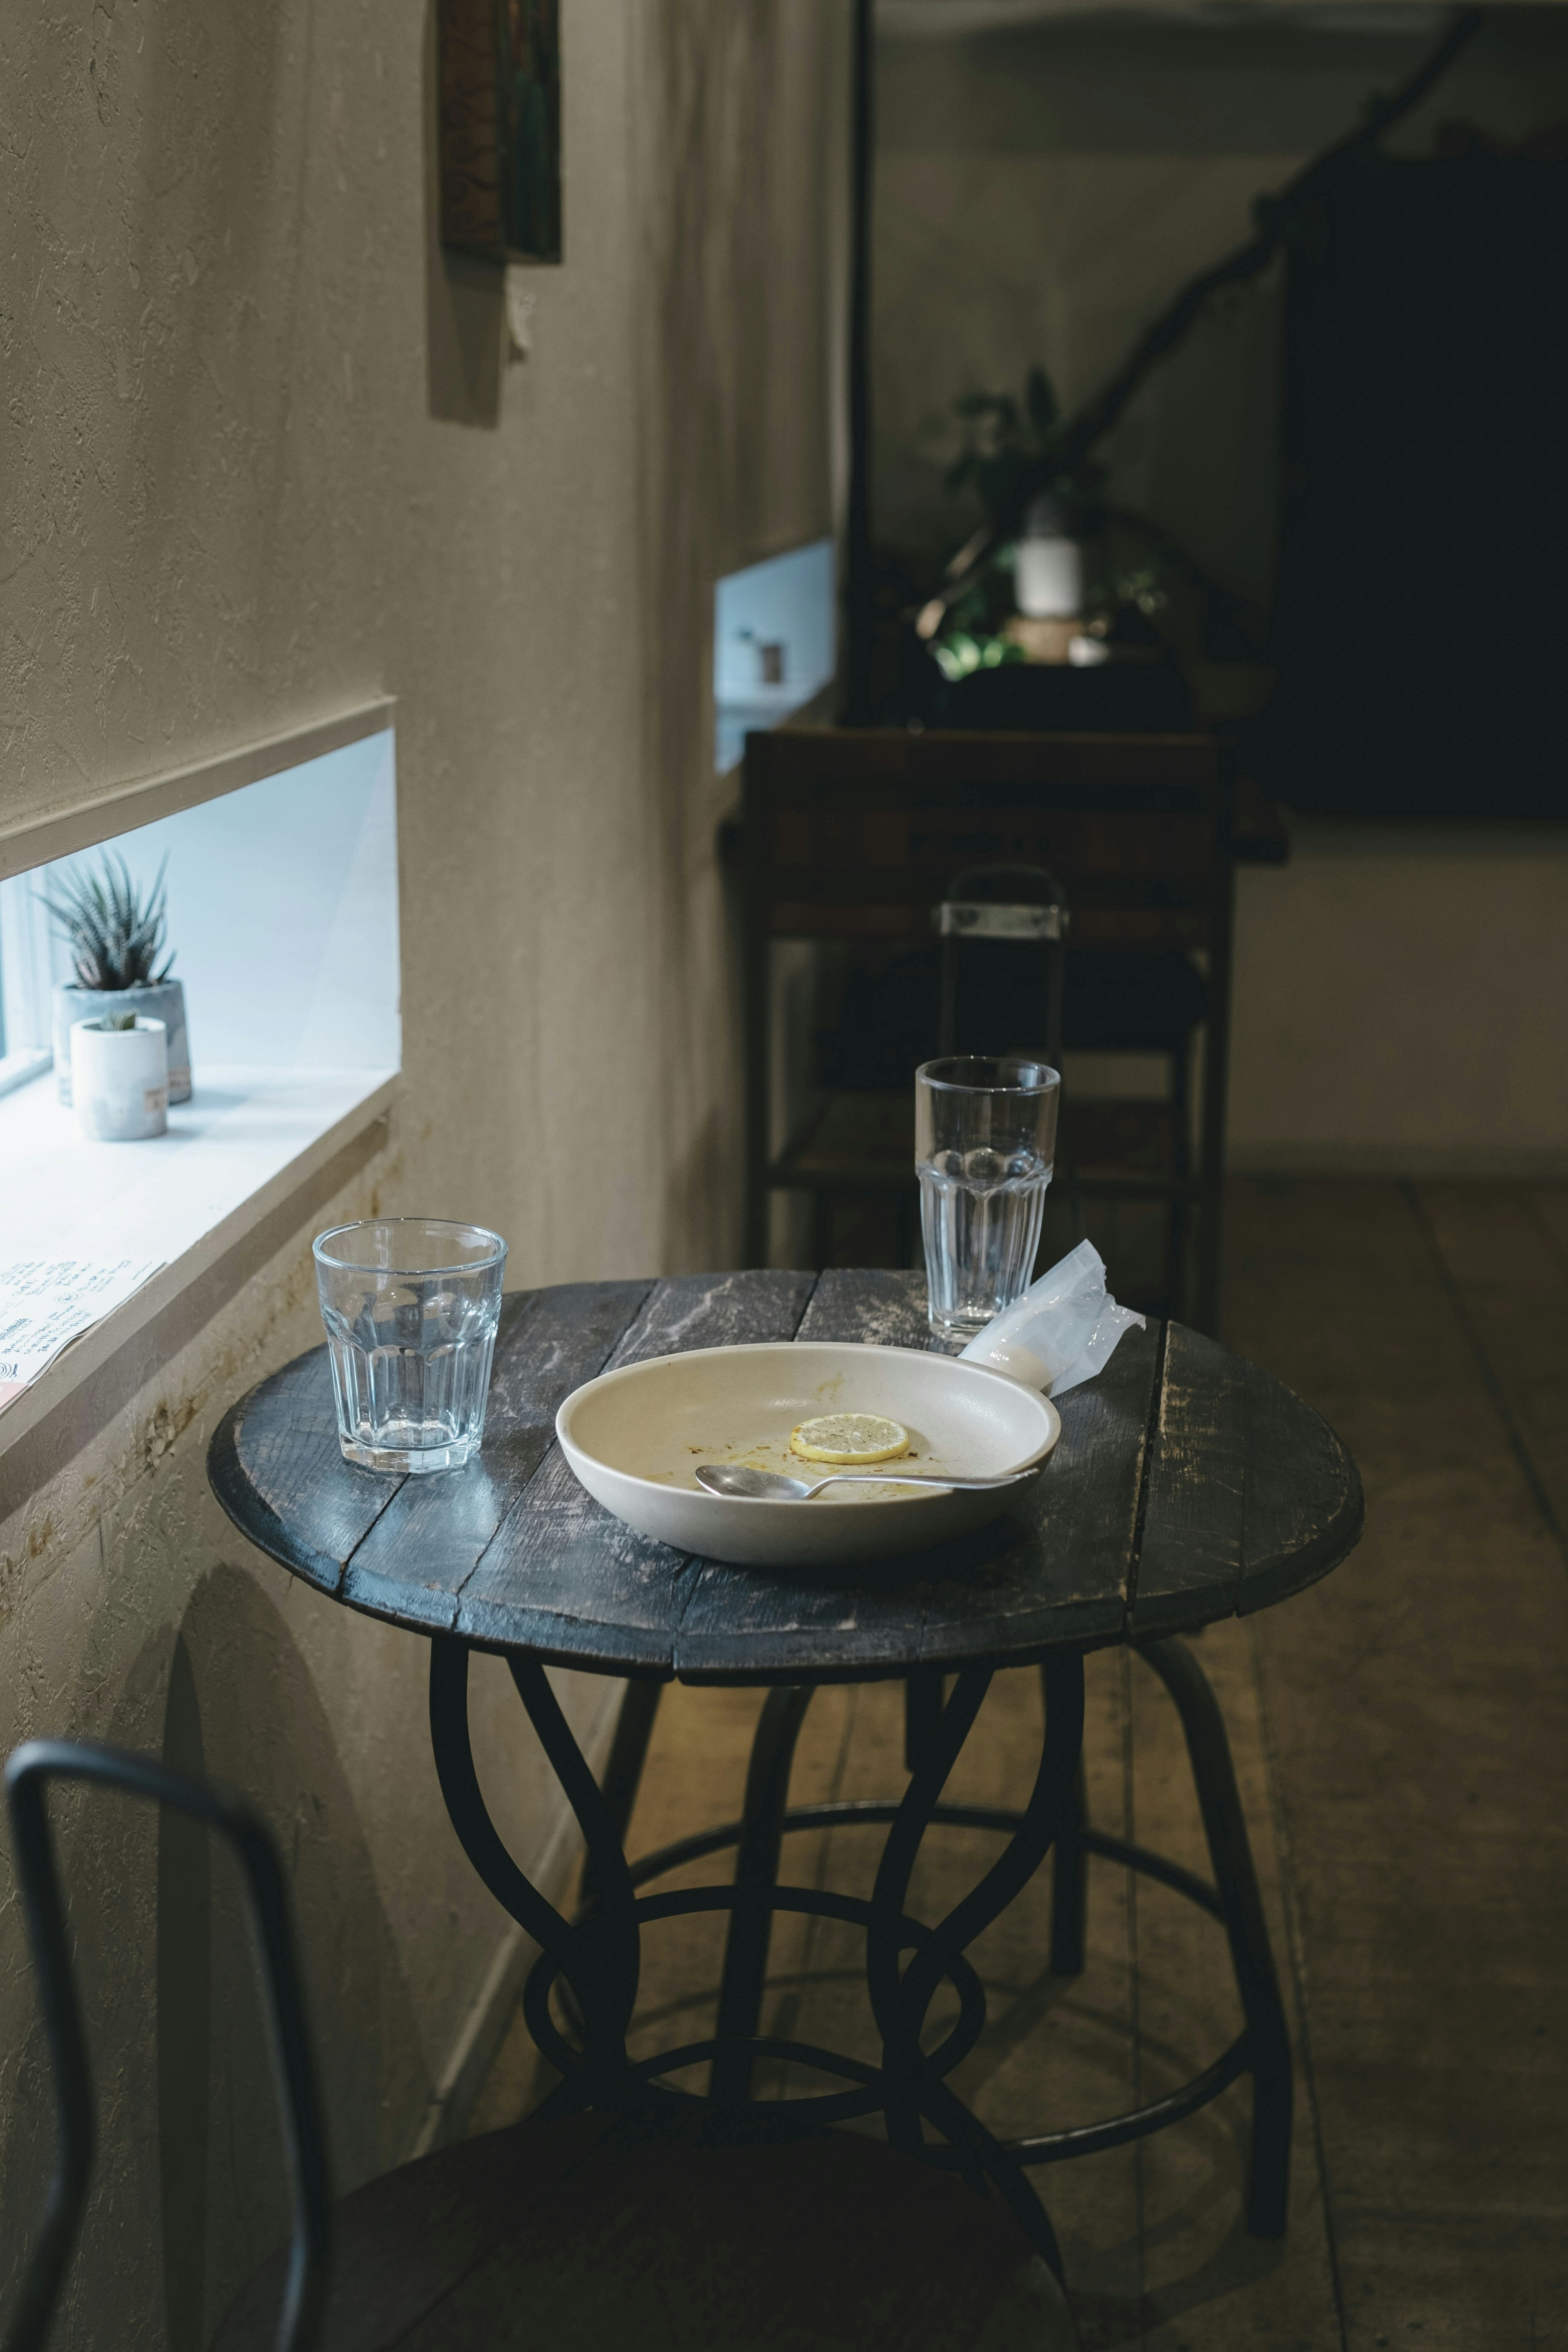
point(48, 1302)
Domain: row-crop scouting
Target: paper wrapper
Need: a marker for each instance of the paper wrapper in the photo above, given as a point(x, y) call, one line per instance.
point(1064, 1329)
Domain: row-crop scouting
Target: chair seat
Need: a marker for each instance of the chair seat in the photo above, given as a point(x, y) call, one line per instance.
point(1114, 1000)
point(579, 2233)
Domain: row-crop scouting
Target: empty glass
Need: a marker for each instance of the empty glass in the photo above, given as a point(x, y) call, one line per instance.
point(985, 1137)
point(411, 1306)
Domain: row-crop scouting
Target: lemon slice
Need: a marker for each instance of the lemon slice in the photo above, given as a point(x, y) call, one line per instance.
point(853, 1437)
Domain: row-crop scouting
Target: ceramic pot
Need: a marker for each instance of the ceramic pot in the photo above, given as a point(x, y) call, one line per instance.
point(119, 1079)
point(162, 1000)
point(1049, 578)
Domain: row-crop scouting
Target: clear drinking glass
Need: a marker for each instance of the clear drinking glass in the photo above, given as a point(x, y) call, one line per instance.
point(986, 1137)
point(411, 1306)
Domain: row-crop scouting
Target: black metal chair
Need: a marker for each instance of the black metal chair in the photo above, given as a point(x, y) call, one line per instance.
point(592, 2231)
point(848, 837)
point(1002, 968)
point(1003, 932)
point(303, 2285)
point(1002, 980)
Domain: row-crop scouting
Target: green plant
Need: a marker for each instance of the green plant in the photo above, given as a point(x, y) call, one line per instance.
point(1006, 441)
point(116, 933)
point(963, 650)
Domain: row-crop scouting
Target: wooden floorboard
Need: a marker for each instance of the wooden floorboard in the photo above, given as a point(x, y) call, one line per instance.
point(1497, 1248)
point(1419, 1704)
point(1401, 1739)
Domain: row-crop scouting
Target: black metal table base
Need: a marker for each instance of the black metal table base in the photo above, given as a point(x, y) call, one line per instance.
point(599, 1954)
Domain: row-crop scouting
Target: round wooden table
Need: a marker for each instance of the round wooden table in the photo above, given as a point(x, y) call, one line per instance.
point(1187, 1485)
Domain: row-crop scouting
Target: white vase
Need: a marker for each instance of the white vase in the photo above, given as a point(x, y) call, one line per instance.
point(1049, 578)
point(120, 1080)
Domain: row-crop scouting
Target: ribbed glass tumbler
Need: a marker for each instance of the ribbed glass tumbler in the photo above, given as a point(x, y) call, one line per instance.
point(986, 1138)
point(411, 1306)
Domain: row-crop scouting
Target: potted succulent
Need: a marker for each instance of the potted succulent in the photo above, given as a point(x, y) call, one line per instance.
point(116, 936)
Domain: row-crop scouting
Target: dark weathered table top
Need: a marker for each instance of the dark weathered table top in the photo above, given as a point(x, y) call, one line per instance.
point(1187, 1485)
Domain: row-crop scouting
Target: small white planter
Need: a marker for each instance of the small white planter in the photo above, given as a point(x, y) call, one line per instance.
point(1049, 578)
point(120, 1080)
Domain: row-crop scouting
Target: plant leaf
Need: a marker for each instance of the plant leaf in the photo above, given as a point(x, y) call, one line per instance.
point(115, 932)
point(1040, 398)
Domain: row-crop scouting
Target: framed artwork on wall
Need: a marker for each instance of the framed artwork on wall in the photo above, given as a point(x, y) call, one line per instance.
point(499, 95)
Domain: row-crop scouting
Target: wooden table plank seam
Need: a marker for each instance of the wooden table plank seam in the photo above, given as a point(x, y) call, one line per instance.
point(1188, 1550)
point(1135, 1548)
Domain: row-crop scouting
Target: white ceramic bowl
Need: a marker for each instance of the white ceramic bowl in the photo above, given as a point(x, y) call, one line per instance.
point(635, 1438)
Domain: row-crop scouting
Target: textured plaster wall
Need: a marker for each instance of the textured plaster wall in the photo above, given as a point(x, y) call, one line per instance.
point(261, 458)
point(1399, 998)
point(132, 1613)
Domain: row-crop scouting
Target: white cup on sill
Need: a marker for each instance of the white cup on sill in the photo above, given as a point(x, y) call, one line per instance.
point(120, 1080)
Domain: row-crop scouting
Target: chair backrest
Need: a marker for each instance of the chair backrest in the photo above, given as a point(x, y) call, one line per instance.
point(27, 1774)
point(1004, 935)
point(851, 834)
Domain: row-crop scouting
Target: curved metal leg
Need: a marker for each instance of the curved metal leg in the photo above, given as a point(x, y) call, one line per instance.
point(892, 2005)
point(757, 1869)
point(900, 2002)
point(628, 1754)
point(623, 1778)
point(1050, 1804)
point(599, 1953)
point(910, 2086)
point(1241, 1907)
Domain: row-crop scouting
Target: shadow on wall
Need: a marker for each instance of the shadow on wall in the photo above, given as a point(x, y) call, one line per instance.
point(242, 1708)
point(183, 2089)
point(464, 299)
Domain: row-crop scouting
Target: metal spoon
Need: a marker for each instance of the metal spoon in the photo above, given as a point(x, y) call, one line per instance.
point(773, 1486)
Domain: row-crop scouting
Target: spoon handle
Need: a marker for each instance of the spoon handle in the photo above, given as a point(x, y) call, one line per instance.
point(920, 1478)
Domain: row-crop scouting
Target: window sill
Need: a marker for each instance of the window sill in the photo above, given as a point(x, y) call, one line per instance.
point(21, 1068)
point(234, 1171)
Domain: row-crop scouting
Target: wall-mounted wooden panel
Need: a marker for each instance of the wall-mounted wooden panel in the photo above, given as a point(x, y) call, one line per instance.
point(500, 87)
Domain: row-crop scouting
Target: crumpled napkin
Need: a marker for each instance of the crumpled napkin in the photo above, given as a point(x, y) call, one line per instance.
point(1063, 1330)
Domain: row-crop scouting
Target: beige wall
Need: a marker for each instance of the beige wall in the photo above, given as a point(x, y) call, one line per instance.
point(1400, 997)
point(1040, 195)
point(261, 460)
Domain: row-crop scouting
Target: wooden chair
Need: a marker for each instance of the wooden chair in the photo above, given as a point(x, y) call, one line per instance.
point(850, 836)
point(589, 2231)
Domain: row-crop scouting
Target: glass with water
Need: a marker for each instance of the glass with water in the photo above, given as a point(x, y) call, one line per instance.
point(986, 1136)
point(411, 1306)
